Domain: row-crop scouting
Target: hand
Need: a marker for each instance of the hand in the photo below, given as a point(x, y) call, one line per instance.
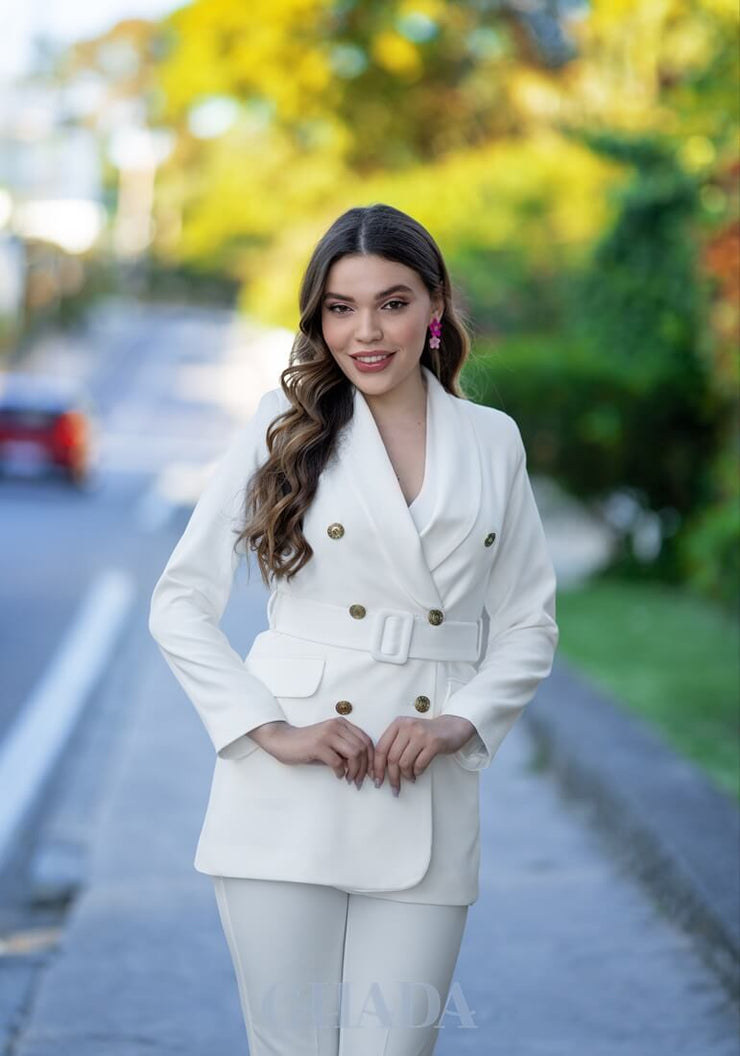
point(408, 746)
point(337, 743)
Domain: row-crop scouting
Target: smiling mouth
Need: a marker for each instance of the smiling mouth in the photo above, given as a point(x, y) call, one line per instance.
point(372, 357)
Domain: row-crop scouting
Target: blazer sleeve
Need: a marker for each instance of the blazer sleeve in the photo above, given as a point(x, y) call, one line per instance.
point(522, 633)
point(192, 592)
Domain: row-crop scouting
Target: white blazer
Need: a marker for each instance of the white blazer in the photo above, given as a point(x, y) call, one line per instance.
point(383, 621)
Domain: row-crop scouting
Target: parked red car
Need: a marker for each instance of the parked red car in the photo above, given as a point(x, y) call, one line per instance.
point(46, 423)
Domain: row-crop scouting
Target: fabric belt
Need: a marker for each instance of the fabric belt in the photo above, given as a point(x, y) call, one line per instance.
point(389, 635)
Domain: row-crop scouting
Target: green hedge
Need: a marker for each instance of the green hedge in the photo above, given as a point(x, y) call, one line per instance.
point(597, 424)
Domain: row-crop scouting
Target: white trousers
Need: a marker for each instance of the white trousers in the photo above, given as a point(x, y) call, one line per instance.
point(324, 972)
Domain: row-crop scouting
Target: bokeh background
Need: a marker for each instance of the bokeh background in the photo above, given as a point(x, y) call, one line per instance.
point(165, 170)
point(578, 164)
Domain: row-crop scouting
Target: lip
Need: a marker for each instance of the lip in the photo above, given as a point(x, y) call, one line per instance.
point(372, 368)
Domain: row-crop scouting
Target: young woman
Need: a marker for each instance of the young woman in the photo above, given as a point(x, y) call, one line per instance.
point(389, 515)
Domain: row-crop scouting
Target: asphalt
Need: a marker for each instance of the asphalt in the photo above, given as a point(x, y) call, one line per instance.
point(606, 923)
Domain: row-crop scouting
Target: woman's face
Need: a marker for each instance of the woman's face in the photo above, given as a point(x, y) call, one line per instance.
point(373, 307)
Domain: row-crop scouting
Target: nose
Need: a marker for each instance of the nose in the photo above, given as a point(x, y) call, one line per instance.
point(368, 326)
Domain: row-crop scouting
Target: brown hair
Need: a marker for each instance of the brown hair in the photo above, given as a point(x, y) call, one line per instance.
point(301, 440)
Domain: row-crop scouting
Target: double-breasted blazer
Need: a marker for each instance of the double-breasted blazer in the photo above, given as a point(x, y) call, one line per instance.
point(383, 621)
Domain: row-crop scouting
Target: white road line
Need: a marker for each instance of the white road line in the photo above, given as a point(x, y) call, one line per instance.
point(34, 742)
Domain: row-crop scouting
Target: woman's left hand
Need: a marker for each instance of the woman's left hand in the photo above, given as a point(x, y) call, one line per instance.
point(408, 745)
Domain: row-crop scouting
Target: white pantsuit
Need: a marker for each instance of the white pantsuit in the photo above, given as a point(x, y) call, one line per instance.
point(318, 882)
point(384, 620)
point(324, 973)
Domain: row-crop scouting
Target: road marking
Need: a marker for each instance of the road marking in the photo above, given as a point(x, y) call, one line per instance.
point(43, 727)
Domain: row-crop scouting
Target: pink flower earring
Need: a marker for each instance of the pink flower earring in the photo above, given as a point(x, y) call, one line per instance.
point(435, 329)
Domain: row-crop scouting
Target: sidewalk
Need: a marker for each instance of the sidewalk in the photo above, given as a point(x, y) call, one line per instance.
point(564, 953)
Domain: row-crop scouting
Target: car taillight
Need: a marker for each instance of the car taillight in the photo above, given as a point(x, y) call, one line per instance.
point(70, 429)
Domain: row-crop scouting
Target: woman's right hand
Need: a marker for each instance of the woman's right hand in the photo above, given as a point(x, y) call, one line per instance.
point(337, 743)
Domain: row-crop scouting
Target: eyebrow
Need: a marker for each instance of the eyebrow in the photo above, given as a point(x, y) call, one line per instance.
point(383, 293)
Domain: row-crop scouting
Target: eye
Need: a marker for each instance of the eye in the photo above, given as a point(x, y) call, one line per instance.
point(341, 309)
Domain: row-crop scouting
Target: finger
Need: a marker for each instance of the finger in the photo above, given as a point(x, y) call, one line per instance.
point(392, 767)
point(332, 759)
point(402, 750)
point(407, 760)
point(394, 777)
point(365, 751)
point(423, 760)
point(332, 752)
point(367, 742)
point(380, 754)
point(356, 750)
point(349, 748)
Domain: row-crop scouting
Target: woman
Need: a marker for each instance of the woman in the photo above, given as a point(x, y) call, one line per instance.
point(387, 513)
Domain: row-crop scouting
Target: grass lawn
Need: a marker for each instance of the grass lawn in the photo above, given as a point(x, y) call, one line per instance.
point(671, 657)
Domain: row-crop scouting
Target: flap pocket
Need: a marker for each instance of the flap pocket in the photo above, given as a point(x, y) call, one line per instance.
point(288, 676)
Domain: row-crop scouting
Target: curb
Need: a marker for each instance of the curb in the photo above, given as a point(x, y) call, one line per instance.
point(677, 832)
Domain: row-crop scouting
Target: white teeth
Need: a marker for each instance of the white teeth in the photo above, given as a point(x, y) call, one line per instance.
point(373, 359)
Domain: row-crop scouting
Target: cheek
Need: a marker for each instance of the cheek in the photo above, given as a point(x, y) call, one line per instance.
point(410, 329)
point(332, 330)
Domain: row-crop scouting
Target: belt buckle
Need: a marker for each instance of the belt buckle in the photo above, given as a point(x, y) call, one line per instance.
point(478, 639)
point(404, 627)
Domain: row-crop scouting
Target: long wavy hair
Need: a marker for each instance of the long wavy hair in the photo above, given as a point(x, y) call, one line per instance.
point(302, 439)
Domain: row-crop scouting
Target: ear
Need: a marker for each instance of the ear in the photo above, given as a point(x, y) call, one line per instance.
point(438, 305)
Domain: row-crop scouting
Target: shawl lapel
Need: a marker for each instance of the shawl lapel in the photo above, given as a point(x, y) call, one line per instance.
point(452, 470)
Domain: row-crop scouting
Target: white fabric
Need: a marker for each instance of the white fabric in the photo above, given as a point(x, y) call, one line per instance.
point(320, 972)
point(269, 820)
point(422, 506)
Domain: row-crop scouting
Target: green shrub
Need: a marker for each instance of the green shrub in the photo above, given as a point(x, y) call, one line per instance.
point(598, 424)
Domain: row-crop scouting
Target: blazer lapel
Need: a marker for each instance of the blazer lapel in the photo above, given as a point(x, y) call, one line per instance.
point(456, 474)
point(453, 471)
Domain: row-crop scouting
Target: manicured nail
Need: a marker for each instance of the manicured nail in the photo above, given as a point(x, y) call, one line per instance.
point(378, 782)
point(396, 791)
point(358, 785)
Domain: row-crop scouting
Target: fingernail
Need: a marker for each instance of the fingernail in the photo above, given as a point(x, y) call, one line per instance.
point(396, 791)
point(378, 782)
point(358, 785)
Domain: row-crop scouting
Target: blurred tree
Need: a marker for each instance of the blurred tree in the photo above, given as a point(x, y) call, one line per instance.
point(710, 548)
point(408, 80)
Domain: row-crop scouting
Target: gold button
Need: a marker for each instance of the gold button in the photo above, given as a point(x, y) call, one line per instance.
point(357, 611)
point(343, 707)
point(422, 703)
point(489, 539)
point(335, 531)
point(435, 616)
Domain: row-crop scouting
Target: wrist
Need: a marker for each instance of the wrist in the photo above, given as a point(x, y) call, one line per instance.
point(264, 735)
point(458, 728)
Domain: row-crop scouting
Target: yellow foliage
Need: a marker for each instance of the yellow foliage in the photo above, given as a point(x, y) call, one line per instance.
point(270, 48)
point(397, 54)
point(497, 173)
point(728, 9)
point(434, 9)
point(473, 199)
